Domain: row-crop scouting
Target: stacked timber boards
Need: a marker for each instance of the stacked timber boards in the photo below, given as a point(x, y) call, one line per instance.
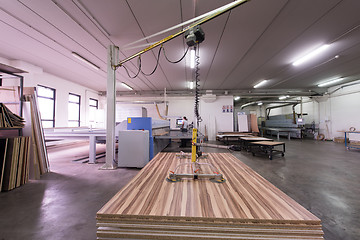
point(246, 206)
point(14, 158)
point(8, 119)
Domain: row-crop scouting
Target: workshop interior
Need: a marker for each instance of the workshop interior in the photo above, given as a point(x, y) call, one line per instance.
point(179, 119)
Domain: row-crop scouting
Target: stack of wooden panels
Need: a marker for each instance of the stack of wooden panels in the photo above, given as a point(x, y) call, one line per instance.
point(246, 206)
point(40, 157)
point(9, 119)
point(14, 158)
point(10, 96)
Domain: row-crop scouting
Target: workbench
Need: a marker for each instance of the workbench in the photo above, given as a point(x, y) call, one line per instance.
point(226, 138)
point(93, 135)
point(245, 142)
point(266, 147)
point(348, 146)
point(245, 206)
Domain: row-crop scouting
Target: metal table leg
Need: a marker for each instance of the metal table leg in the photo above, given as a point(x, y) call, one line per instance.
point(92, 150)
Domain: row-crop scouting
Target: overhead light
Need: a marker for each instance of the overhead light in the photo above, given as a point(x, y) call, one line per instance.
point(127, 86)
point(260, 103)
point(79, 57)
point(236, 98)
point(283, 97)
point(191, 85)
point(310, 55)
point(330, 82)
point(192, 58)
point(260, 83)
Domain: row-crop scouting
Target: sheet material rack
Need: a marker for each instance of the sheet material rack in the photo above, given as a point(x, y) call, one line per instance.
point(267, 148)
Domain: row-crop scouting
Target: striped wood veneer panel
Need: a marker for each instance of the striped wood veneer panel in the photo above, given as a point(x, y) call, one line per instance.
point(244, 197)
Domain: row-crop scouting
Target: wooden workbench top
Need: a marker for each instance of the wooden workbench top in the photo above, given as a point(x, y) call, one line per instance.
point(268, 143)
point(256, 139)
point(245, 196)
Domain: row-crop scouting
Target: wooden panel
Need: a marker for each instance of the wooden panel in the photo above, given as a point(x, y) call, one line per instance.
point(268, 143)
point(245, 200)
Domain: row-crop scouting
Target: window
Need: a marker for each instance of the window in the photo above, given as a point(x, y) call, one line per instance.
point(93, 106)
point(46, 100)
point(74, 110)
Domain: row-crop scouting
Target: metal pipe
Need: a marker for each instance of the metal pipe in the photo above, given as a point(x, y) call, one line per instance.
point(347, 85)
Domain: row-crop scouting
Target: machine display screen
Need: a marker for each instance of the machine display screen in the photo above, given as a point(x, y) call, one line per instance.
point(179, 123)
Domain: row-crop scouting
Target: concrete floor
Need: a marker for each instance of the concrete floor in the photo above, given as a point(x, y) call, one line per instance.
point(321, 176)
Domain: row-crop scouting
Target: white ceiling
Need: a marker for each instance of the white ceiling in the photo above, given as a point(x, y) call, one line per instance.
point(255, 41)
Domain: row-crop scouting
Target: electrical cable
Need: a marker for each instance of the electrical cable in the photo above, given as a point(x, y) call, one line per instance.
point(177, 60)
point(197, 85)
point(139, 66)
point(157, 63)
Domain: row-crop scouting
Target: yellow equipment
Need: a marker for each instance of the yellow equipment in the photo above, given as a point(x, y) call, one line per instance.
point(174, 176)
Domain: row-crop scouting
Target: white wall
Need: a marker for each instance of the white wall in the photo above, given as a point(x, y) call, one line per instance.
point(211, 112)
point(63, 87)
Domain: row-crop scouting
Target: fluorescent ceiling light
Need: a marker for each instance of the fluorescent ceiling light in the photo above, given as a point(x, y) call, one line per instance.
point(191, 85)
point(283, 97)
point(310, 55)
point(127, 86)
point(260, 103)
point(330, 82)
point(236, 98)
point(192, 58)
point(260, 83)
point(79, 57)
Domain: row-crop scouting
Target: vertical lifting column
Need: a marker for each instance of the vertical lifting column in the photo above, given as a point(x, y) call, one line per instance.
point(113, 58)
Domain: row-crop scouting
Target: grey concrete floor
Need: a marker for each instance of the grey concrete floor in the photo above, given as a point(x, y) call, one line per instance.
point(321, 176)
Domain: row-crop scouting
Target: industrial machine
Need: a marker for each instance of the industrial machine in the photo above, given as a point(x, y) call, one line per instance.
point(193, 37)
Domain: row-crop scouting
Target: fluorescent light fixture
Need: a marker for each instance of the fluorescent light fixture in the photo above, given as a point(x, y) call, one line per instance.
point(310, 55)
point(260, 83)
point(283, 97)
point(236, 98)
point(330, 82)
point(127, 86)
point(191, 85)
point(81, 58)
point(192, 58)
point(260, 103)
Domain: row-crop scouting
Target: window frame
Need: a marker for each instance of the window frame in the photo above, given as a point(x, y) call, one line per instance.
point(53, 99)
point(78, 103)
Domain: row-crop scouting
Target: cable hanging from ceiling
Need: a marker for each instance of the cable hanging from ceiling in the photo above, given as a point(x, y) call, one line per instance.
point(187, 49)
point(139, 68)
point(197, 84)
point(139, 63)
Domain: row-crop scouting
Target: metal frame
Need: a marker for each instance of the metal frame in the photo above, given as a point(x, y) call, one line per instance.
point(349, 146)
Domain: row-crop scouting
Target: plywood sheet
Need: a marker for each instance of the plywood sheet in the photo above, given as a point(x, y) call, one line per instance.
point(244, 206)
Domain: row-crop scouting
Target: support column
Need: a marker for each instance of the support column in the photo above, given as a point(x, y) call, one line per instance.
point(113, 59)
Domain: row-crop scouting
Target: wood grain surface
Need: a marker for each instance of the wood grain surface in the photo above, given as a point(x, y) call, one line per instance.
point(268, 143)
point(243, 206)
